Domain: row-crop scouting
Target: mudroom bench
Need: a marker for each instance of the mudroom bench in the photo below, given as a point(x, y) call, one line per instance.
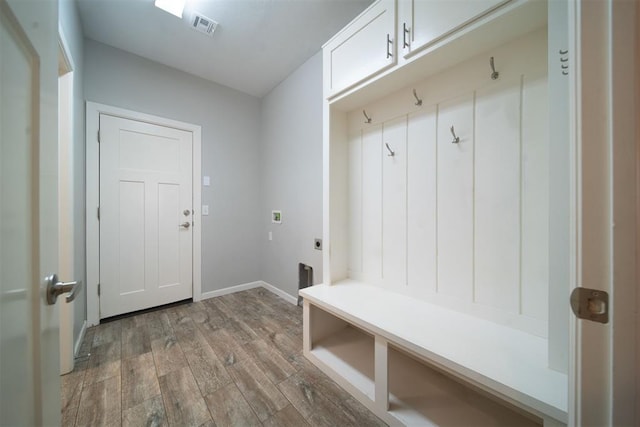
point(416, 363)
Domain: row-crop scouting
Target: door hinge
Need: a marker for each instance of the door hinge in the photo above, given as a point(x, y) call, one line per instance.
point(590, 304)
point(98, 213)
point(98, 289)
point(98, 136)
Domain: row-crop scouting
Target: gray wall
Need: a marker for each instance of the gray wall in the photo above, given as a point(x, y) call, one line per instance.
point(72, 32)
point(230, 123)
point(291, 176)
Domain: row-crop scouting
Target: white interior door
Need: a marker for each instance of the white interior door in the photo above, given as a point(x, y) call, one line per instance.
point(29, 353)
point(146, 213)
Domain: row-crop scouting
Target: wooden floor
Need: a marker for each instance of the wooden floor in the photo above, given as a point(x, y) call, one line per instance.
point(234, 360)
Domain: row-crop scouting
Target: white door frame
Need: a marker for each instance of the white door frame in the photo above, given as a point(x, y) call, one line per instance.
point(604, 374)
point(93, 197)
point(66, 196)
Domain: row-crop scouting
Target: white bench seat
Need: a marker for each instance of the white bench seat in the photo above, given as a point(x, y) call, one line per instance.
point(507, 363)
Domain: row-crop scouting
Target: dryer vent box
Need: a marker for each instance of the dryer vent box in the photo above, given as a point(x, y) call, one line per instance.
point(203, 24)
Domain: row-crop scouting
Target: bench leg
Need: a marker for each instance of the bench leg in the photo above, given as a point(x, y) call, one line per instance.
point(381, 374)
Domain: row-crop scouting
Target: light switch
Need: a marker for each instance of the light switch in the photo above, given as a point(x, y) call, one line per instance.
point(270, 235)
point(206, 181)
point(205, 209)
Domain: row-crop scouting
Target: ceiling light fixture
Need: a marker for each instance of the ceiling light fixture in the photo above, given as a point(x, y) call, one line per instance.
point(174, 7)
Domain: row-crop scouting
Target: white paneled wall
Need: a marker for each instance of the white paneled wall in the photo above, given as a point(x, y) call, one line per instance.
point(465, 223)
point(421, 199)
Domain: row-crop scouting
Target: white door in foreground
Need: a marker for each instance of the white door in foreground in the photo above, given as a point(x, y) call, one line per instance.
point(145, 215)
point(29, 348)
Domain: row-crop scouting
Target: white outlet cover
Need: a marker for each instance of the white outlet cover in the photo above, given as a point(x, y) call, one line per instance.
point(206, 181)
point(205, 209)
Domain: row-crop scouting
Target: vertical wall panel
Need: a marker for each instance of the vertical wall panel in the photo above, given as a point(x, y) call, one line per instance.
point(455, 197)
point(535, 202)
point(497, 196)
point(394, 203)
point(372, 203)
point(169, 218)
point(355, 203)
point(421, 200)
point(132, 237)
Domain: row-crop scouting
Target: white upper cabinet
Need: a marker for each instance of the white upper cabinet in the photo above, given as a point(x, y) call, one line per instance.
point(424, 22)
point(366, 46)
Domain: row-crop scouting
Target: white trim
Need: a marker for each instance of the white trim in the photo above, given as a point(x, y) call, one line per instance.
point(63, 45)
point(78, 344)
point(282, 294)
point(251, 285)
point(230, 290)
point(93, 190)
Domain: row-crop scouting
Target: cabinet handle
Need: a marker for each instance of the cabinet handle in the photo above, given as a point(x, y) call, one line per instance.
point(389, 42)
point(405, 33)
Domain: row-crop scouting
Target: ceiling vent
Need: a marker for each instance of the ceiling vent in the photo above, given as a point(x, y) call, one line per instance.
point(203, 24)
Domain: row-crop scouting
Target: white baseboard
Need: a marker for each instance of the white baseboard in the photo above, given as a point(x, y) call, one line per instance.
point(252, 285)
point(282, 294)
point(78, 343)
point(230, 290)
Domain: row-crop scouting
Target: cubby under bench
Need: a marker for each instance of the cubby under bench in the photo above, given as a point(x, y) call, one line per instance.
point(416, 363)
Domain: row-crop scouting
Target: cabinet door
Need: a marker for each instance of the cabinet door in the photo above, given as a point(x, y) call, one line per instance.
point(423, 22)
point(363, 48)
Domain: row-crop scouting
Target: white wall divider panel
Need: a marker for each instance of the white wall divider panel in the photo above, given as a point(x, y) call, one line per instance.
point(560, 193)
point(372, 204)
point(421, 202)
point(394, 203)
point(355, 204)
point(455, 198)
point(497, 195)
point(535, 198)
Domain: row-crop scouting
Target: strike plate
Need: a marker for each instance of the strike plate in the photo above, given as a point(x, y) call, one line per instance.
point(590, 304)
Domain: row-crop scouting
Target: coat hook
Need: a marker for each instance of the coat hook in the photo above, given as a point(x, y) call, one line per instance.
point(456, 139)
point(418, 100)
point(391, 152)
point(366, 117)
point(494, 73)
point(564, 52)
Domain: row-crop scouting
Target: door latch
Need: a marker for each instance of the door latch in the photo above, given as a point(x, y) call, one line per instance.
point(590, 304)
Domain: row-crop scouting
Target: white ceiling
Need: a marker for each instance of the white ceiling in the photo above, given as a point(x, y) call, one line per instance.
point(256, 45)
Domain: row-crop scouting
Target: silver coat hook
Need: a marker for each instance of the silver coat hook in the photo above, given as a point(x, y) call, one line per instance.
point(456, 139)
point(391, 152)
point(494, 73)
point(418, 100)
point(366, 117)
point(564, 52)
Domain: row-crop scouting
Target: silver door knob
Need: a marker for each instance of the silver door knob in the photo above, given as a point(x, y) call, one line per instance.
point(185, 224)
point(56, 288)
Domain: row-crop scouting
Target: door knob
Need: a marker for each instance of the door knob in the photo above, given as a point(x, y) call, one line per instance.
point(185, 224)
point(56, 288)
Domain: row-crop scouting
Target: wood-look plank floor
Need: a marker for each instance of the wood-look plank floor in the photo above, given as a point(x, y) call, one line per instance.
point(234, 360)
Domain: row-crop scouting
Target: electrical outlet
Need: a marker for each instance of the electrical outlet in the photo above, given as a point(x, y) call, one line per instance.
point(270, 235)
point(205, 209)
point(317, 244)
